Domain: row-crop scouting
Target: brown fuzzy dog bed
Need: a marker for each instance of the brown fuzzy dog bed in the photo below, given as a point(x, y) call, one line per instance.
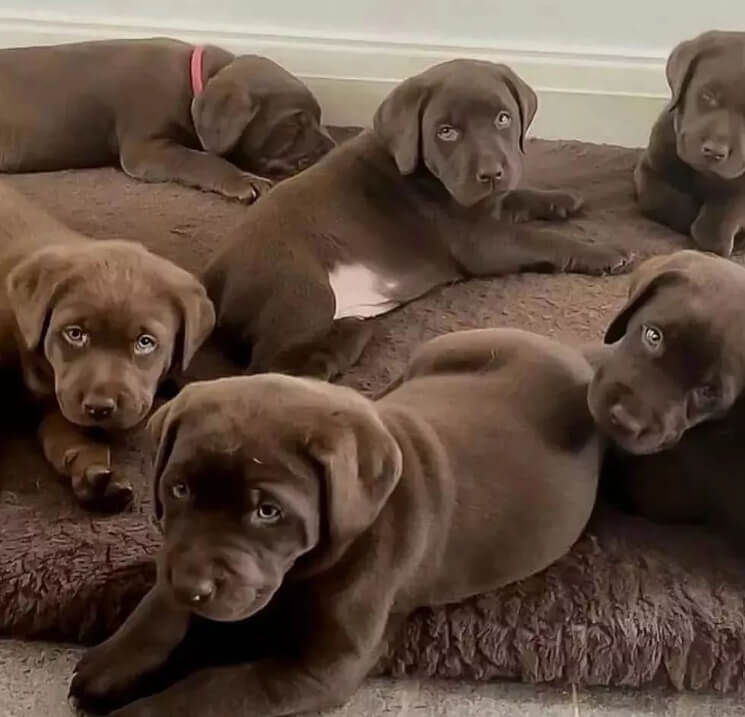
point(632, 604)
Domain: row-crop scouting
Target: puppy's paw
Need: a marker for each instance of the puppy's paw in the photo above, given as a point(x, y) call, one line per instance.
point(94, 484)
point(104, 679)
point(602, 260)
point(247, 188)
point(559, 205)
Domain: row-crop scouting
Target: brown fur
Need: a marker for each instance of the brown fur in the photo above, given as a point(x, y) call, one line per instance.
point(350, 514)
point(413, 209)
point(94, 327)
point(692, 175)
point(674, 408)
point(131, 101)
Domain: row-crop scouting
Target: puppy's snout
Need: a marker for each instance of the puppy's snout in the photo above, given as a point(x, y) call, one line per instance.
point(621, 418)
point(715, 151)
point(491, 175)
point(99, 407)
point(192, 588)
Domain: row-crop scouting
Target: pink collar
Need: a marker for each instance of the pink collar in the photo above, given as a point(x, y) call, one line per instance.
point(197, 70)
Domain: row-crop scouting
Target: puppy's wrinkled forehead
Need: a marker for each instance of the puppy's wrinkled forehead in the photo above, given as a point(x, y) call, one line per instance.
point(723, 72)
point(115, 294)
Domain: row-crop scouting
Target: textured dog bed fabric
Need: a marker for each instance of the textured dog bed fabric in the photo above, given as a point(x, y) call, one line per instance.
point(632, 604)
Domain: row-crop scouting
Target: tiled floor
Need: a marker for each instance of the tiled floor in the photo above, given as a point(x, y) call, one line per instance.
point(33, 683)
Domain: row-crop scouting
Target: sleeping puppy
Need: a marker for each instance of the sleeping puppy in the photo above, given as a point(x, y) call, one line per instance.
point(94, 327)
point(692, 175)
point(163, 109)
point(427, 197)
point(350, 514)
point(669, 393)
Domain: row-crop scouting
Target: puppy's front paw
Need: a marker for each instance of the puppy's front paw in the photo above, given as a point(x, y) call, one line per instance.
point(94, 484)
point(248, 188)
point(601, 260)
point(559, 205)
point(104, 679)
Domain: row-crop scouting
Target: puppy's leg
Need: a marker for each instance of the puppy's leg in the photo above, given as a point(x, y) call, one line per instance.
point(300, 337)
point(330, 669)
point(716, 227)
point(109, 673)
point(662, 202)
point(494, 250)
point(522, 205)
point(74, 454)
point(163, 161)
point(340, 350)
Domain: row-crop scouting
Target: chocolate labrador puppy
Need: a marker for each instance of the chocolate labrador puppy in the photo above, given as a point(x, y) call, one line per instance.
point(351, 513)
point(165, 110)
point(94, 327)
point(669, 393)
point(692, 175)
point(429, 196)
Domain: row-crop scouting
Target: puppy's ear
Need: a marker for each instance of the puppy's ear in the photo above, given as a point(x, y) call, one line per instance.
point(682, 62)
point(31, 288)
point(653, 275)
point(398, 123)
point(197, 314)
point(199, 320)
point(679, 68)
point(362, 464)
point(161, 429)
point(526, 99)
point(223, 111)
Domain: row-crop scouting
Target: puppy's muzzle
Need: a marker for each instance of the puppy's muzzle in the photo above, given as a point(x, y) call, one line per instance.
point(715, 151)
point(100, 408)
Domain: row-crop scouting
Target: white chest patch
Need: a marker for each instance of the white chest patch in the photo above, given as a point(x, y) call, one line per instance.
point(360, 292)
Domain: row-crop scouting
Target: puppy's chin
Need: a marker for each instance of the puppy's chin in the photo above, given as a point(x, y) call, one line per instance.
point(643, 446)
point(236, 607)
point(475, 192)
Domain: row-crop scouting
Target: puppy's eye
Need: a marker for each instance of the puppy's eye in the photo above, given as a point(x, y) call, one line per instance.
point(503, 120)
point(652, 338)
point(145, 344)
point(447, 133)
point(75, 336)
point(709, 98)
point(268, 513)
point(180, 491)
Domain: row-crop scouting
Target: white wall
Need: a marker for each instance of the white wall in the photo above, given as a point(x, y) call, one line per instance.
point(597, 64)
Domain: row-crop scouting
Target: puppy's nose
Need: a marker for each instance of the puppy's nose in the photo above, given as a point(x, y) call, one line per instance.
point(715, 151)
point(493, 175)
point(192, 589)
point(99, 407)
point(621, 418)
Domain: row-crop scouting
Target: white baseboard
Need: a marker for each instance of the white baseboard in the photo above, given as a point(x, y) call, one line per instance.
point(591, 96)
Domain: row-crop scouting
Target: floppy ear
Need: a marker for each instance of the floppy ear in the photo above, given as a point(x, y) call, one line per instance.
point(31, 288)
point(198, 316)
point(645, 283)
point(683, 58)
point(679, 66)
point(398, 123)
point(222, 112)
point(161, 428)
point(526, 99)
point(362, 464)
